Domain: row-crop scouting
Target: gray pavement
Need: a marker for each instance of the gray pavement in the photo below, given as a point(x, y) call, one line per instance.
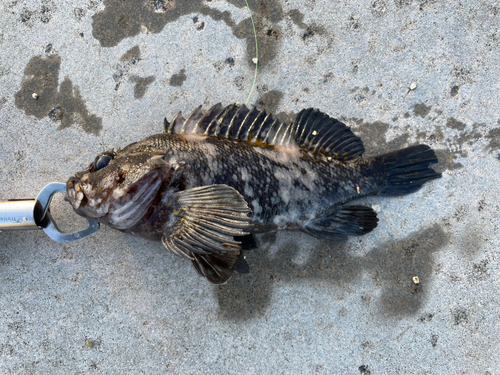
point(399, 72)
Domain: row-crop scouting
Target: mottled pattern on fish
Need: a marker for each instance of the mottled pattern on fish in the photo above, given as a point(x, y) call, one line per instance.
point(283, 186)
point(211, 179)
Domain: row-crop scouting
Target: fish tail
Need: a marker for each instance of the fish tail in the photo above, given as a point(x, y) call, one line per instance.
point(405, 171)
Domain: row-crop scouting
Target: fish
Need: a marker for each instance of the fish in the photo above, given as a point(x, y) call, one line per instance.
point(210, 182)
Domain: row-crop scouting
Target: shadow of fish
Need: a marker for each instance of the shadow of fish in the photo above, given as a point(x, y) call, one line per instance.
point(210, 181)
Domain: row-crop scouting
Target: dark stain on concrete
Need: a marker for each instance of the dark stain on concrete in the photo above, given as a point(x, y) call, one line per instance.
point(297, 18)
point(132, 54)
point(123, 19)
point(64, 104)
point(266, 16)
point(372, 135)
point(127, 60)
point(79, 13)
point(44, 13)
point(200, 25)
point(49, 48)
point(26, 16)
point(364, 370)
point(455, 124)
point(355, 64)
point(379, 7)
point(402, 3)
point(270, 101)
point(434, 340)
point(462, 75)
point(494, 137)
point(446, 160)
point(219, 66)
point(353, 23)
point(454, 91)
point(426, 318)
point(400, 296)
point(141, 85)
point(480, 270)
point(4, 260)
point(178, 79)
point(421, 110)
point(328, 77)
point(460, 316)
point(391, 265)
point(2, 101)
point(446, 157)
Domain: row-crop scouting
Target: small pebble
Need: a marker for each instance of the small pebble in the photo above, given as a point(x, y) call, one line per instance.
point(34, 96)
point(416, 280)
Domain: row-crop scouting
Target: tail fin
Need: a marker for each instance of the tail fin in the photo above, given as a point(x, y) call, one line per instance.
point(405, 171)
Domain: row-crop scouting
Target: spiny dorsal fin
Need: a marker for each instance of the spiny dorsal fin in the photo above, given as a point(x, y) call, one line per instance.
point(312, 130)
point(175, 125)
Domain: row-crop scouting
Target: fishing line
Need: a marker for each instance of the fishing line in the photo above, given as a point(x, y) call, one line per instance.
point(256, 54)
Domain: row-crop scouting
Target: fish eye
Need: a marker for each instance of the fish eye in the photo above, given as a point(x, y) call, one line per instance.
point(102, 160)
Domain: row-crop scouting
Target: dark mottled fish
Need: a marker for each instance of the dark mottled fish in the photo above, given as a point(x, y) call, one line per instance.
point(209, 182)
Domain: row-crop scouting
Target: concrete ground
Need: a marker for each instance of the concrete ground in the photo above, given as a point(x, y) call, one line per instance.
point(399, 72)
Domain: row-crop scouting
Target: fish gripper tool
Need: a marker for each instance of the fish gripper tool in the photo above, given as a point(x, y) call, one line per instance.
point(26, 214)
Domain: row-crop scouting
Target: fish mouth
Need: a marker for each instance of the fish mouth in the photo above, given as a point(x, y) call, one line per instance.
point(74, 193)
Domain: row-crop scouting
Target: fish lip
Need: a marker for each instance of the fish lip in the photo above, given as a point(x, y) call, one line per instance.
point(70, 184)
point(75, 194)
point(70, 189)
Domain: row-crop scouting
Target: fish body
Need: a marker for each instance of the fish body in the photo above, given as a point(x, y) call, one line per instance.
point(210, 181)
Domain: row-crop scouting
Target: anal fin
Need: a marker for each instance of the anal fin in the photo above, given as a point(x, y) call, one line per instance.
point(242, 266)
point(343, 222)
point(247, 242)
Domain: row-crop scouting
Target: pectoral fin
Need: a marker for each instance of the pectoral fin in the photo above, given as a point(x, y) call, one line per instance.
point(218, 267)
point(343, 222)
point(206, 221)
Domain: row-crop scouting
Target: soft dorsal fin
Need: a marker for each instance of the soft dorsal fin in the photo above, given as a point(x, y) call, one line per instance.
point(312, 130)
point(318, 132)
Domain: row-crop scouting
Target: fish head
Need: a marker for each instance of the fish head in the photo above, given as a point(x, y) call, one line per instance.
point(118, 188)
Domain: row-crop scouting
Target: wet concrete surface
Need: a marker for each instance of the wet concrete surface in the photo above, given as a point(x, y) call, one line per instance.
point(106, 73)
